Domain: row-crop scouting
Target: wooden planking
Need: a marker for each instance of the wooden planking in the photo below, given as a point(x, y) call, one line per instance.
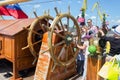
point(42, 64)
point(20, 42)
point(1, 45)
point(8, 47)
point(6, 23)
point(93, 66)
point(24, 57)
point(17, 27)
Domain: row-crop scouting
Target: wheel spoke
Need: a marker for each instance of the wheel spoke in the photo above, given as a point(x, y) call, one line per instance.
point(36, 42)
point(62, 26)
point(33, 31)
point(67, 23)
point(54, 66)
point(42, 26)
point(59, 20)
point(58, 44)
point(58, 26)
point(36, 33)
point(66, 53)
point(60, 54)
point(45, 51)
point(25, 47)
point(31, 45)
point(71, 50)
point(59, 34)
point(47, 24)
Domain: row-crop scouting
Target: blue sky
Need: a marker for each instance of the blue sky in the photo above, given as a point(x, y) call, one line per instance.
point(111, 7)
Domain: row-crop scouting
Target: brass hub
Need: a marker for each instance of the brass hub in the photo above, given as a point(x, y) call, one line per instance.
point(68, 39)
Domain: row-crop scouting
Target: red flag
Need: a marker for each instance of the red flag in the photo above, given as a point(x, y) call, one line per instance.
point(13, 10)
point(4, 11)
point(16, 11)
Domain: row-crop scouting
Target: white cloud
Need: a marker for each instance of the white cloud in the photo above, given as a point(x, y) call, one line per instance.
point(79, 1)
point(115, 21)
point(59, 2)
point(79, 15)
point(86, 15)
point(112, 20)
point(118, 21)
point(93, 17)
point(36, 6)
point(117, 16)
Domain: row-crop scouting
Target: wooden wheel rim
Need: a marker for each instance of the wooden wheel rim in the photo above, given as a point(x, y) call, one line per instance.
point(29, 39)
point(55, 59)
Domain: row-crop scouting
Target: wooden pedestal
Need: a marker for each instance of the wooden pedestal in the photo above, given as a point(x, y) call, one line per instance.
point(93, 66)
point(45, 65)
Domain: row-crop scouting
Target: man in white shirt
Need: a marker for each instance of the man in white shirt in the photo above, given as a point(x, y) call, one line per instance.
point(93, 30)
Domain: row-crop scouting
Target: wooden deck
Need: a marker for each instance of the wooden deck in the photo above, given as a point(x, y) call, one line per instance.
point(6, 66)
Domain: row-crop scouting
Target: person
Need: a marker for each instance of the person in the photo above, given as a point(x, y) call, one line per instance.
point(80, 56)
point(117, 57)
point(84, 47)
point(92, 29)
point(105, 28)
point(114, 42)
point(80, 63)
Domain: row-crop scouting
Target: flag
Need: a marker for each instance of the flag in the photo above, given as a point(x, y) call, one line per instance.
point(84, 6)
point(95, 6)
point(3, 11)
point(13, 10)
point(16, 11)
point(100, 15)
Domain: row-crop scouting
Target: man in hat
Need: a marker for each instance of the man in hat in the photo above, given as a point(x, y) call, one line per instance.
point(114, 42)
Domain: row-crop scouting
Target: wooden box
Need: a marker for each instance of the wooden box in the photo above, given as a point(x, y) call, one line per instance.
point(12, 39)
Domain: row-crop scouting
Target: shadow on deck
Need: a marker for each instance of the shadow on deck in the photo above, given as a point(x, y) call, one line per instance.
point(6, 71)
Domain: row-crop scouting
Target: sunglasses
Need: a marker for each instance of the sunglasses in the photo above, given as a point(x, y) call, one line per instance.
point(88, 22)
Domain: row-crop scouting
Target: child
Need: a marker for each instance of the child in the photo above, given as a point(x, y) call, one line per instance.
point(84, 47)
point(80, 63)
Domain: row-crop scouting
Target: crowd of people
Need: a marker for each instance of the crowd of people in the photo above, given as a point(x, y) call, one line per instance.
point(90, 31)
